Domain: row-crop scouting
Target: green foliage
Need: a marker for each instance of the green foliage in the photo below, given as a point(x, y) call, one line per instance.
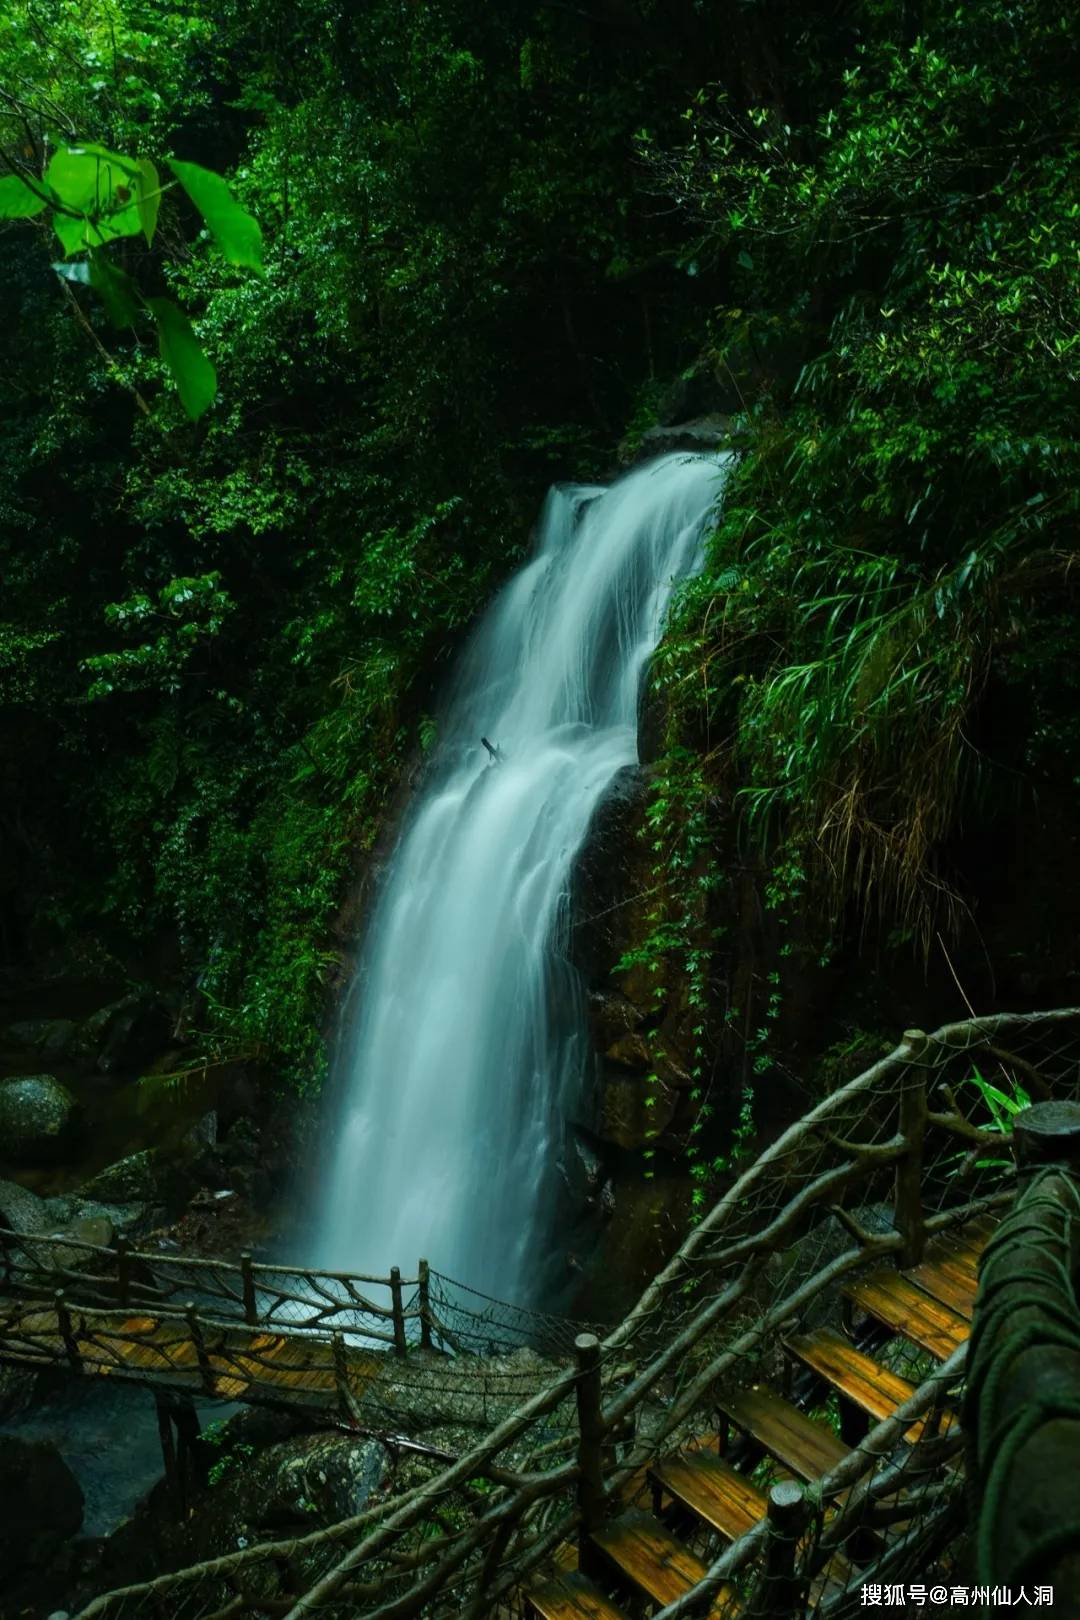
point(230, 1456)
point(903, 519)
point(222, 641)
point(94, 197)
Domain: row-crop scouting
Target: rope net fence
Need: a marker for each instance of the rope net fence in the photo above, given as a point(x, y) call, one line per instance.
point(914, 1147)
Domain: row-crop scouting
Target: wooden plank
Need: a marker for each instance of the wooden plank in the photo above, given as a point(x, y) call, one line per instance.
point(858, 1377)
point(571, 1596)
point(651, 1559)
point(874, 1389)
point(712, 1489)
point(807, 1448)
point(906, 1310)
point(967, 1243)
point(947, 1282)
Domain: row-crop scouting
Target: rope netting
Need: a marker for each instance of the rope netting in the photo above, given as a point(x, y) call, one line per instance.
point(911, 1148)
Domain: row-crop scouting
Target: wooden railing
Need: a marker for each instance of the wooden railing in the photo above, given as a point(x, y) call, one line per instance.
point(1022, 1412)
point(889, 1160)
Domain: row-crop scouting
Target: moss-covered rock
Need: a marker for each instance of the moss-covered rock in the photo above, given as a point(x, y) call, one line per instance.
point(134, 1180)
point(38, 1118)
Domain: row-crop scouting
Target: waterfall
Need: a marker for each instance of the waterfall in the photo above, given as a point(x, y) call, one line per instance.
point(469, 1044)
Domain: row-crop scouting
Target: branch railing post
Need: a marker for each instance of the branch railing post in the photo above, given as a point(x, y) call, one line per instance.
point(123, 1271)
point(198, 1338)
point(778, 1595)
point(67, 1332)
point(400, 1342)
point(247, 1284)
point(423, 1274)
point(908, 1207)
point(341, 1372)
point(590, 1440)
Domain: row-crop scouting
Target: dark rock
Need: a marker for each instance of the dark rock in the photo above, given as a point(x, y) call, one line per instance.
point(634, 1113)
point(43, 1504)
point(38, 1118)
point(611, 1016)
point(28, 1032)
point(135, 1179)
point(52, 1037)
point(138, 1029)
point(630, 1051)
point(21, 1210)
point(704, 434)
point(67, 1213)
point(95, 1229)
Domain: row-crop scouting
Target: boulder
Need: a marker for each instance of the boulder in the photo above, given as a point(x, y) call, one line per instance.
point(43, 1504)
point(135, 1179)
point(611, 1016)
point(67, 1213)
point(706, 433)
point(630, 1051)
point(38, 1118)
point(137, 1030)
point(22, 1210)
point(52, 1037)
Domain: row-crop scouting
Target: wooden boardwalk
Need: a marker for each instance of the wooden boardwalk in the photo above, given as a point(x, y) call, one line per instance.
point(640, 1556)
point(187, 1354)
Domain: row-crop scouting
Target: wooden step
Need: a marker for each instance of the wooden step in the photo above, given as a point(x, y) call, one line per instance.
point(712, 1489)
point(947, 1284)
point(907, 1310)
point(858, 1377)
point(571, 1596)
point(950, 1270)
point(648, 1556)
point(807, 1448)
point(967, 1244)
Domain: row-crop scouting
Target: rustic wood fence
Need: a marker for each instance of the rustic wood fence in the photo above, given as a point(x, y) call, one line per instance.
point(909, 1149)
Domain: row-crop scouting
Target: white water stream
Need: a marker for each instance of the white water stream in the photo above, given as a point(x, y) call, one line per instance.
point(469, 1046)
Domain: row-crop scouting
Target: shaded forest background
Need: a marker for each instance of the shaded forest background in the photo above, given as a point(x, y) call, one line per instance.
point(500, 242)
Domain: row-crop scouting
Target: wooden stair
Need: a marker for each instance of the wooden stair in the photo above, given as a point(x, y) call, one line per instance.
point(911, 1313)
point(571, 1596)
point(807, 1448)
point(654, 1562)
point(703, 1482)
point(857, 1377)
point(637, 1553)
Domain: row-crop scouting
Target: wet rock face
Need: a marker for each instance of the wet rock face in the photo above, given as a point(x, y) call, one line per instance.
point(42, 1501)
point(38, 1118)
point(642, 1042)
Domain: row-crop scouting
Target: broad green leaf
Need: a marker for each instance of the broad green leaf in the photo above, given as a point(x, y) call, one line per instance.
point(100, 187)
point(71, 231)
point(235, 231)
point(182, 353)
point(116, 288)
point(147, 197)
point(17, 201)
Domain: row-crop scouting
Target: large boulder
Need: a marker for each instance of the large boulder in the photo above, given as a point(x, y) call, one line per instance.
point(22, 1210)
point(52, 1037)
point(134, 1180)
point(38, 1118)
point(43, 1504)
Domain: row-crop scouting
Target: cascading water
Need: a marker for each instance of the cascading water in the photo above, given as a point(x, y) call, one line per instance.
point(469, 1046)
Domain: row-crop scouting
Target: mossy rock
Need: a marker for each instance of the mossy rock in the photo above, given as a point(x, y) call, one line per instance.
point(39, 1117)
point(134, 1180)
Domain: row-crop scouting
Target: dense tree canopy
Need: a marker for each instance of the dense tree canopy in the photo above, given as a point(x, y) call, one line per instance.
point(495, 239)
